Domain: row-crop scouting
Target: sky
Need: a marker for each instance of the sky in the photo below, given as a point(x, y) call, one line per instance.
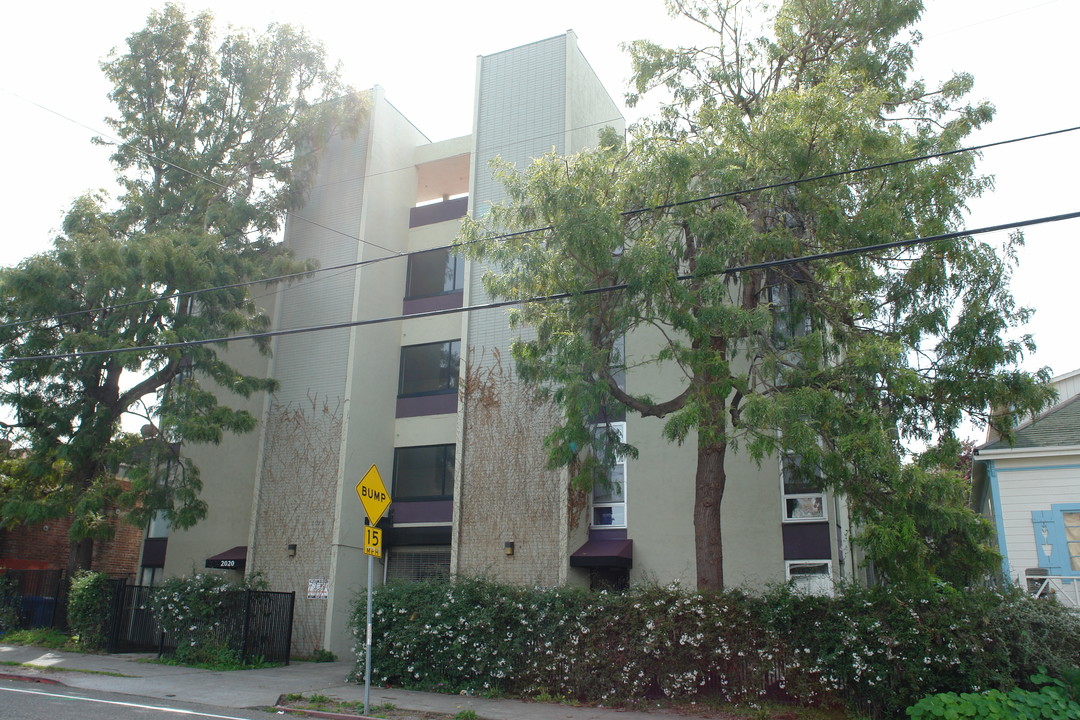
point(423, 53)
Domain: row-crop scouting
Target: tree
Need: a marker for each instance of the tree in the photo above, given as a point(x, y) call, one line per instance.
point(217, 141)
point(836, 362)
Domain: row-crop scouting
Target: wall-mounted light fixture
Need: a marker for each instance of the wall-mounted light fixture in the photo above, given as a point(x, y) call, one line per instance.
point(291, 547)
point(508, 548)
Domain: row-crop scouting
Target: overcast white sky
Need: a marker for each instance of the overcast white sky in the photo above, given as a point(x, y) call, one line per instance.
point(1021, 52)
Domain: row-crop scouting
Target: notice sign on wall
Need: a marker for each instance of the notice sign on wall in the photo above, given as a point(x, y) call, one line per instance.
point(318, 589)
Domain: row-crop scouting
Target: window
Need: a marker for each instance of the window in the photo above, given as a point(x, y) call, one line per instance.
point(424, 473)
point(609, 498)
point(435, 272)
point(417, 564)
point(803, 498)
point(790, 316)
point(1057, 538)
point(429, 369)
point(812, 577)
point(1071, 521)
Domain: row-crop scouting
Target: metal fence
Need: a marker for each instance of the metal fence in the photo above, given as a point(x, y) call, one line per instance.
point(256, 624)
point(38, 597)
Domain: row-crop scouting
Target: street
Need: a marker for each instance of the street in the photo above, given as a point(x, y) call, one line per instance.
point(35, 701)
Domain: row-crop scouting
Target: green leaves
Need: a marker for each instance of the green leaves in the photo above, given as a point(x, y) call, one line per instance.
point(218, 139)
point(842, 361)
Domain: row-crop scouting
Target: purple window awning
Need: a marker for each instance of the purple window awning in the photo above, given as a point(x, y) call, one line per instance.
point(604, 553)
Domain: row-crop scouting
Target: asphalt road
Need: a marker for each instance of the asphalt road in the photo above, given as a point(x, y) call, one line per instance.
point(37, 701)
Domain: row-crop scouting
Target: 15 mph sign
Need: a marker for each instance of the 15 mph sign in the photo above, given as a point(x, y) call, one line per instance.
point(373, 495)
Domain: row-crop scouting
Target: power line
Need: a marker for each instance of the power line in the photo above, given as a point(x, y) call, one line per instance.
point(503, 236)
point(557, 296)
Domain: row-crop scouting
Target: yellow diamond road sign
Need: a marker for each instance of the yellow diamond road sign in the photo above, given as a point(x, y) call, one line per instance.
point(373, 495)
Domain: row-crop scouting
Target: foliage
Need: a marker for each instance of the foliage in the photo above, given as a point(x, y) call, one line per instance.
point(874, 650)
point(217, 139)
point(1054, 699)
point(89, 608)
point(322, 655)
point(41, 637)
point(663, 249)
point(194, 611)
point(10, 602)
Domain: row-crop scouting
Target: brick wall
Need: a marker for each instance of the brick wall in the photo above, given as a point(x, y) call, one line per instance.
point(46, 546)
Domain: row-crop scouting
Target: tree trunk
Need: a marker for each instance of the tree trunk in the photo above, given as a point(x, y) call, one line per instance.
point(709, 483)
point(81, 556)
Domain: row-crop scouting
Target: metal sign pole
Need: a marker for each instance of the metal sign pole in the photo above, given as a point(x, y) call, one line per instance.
point(367, 644)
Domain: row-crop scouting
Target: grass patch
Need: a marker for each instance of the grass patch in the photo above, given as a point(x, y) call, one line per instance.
point(34, 666)
point(224, 664)
point(41, 637)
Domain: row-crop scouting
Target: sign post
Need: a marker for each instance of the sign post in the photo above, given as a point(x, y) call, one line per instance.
point(376, 500)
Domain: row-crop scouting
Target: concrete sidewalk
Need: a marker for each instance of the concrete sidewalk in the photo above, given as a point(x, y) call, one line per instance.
point(261, 688)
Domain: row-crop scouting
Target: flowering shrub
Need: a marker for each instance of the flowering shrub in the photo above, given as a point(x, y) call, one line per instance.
point(190, 610)
point(873, 649)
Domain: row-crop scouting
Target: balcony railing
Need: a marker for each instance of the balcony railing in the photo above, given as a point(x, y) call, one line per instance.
point(1063, 588)
point(438, 212)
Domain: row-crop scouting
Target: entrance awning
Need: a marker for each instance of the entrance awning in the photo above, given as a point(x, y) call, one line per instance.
point(604, 553)
point(232, 559)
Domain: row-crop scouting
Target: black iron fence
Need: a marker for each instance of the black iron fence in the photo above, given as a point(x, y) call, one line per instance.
point(37, 597)
point(256, 624)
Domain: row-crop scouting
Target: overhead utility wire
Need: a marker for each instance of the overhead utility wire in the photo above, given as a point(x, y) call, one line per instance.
point(504, 236)
point(557, 296)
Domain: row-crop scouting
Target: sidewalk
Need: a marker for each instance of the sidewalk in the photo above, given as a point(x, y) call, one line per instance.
point(261, 688)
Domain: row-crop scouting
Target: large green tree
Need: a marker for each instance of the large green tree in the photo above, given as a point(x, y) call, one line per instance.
point(838, 363)
point(216, 142)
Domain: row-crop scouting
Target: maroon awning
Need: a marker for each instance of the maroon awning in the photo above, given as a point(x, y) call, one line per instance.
point(232, 559)
point(604, 553)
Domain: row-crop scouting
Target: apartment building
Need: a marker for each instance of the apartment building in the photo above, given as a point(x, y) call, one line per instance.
point(434, 403)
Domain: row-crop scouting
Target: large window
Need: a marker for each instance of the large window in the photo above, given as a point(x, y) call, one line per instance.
point(609, 497)
point(435, 272)
point(429, 369)
point(803, 497)
point(425, 472)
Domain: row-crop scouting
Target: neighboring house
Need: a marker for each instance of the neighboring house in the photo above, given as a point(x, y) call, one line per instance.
point(1030, 489)
point(434, 402)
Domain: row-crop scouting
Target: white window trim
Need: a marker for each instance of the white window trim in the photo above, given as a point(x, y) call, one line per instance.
point(784, 497)
point(789, 564)
point(620, 428)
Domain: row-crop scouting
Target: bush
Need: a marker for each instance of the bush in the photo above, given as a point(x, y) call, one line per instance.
point(1052, 700)
point(875, 650)
point(190, 611)
point(88, 609)
point(10, 601)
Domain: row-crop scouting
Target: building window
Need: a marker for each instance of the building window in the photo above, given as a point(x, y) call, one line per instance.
point(435, 272)
point(609, 497)
point(429, 369)
point(424, 473)
point(811, 577)
point(417, 564)
point(1071, 521)
point(803, 497)
point(790, 317)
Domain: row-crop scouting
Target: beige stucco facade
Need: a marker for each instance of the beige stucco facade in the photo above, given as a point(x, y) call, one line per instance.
point(490, 506)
